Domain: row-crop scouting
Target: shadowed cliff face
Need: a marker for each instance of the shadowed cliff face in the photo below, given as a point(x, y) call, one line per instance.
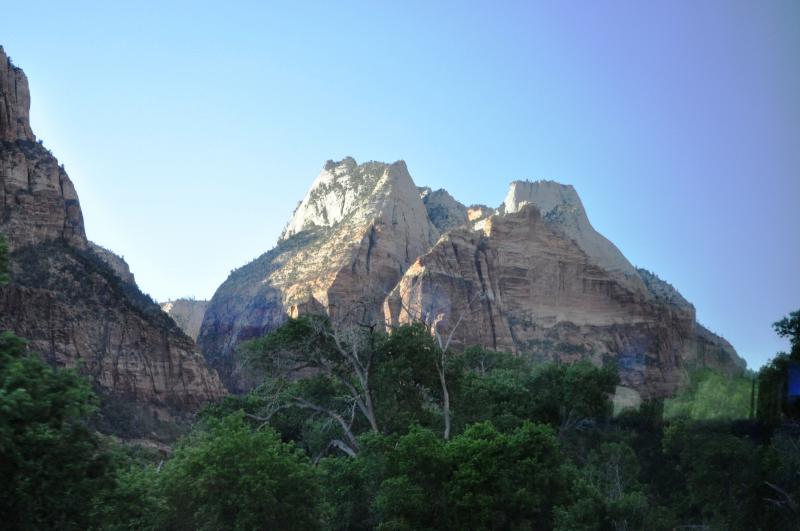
point(15, 102)
point(77, 303)
point(532, 277)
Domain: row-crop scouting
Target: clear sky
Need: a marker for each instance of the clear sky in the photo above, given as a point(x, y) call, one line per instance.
point(192, 129)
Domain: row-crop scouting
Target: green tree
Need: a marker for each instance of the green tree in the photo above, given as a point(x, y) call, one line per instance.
point(358, 379)
point(711, 395)
point(133, 502)
point(229, 476)
point(50, 461)
point(407, 380)
point(722, 475)
point(507, 392)
point(773, 404)
point(480, 479)
point(789, 327)
point(350, 485)
point(344, 359)
point(607, 494)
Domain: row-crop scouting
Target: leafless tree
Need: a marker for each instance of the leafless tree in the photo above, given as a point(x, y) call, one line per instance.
point(434, 317)
point(344, 354)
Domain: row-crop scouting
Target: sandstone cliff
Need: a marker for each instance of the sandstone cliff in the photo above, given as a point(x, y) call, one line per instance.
point(348, 243)
point(563, 213)
point(532, 277)
point(76, 302)
point(538, 280)
point(187, 313)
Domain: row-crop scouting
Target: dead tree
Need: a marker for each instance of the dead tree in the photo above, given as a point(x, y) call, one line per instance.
point(432, 318)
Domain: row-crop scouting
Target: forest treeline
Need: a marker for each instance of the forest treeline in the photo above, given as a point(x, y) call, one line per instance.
point(354, 428)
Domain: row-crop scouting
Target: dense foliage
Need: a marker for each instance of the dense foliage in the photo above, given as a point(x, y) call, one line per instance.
point(50, 463)
point(360, 442)
point(713, 396)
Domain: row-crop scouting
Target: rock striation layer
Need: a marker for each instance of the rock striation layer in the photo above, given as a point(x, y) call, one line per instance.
point(75, 302)
point(520, 285)
point(531, 277)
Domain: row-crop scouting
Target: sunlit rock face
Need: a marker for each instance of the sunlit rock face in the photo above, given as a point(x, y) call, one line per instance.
point(187, 313)
point(519, 285)
point(531, 277)
point(75, 302)
point(563, 212)
point(348, 243)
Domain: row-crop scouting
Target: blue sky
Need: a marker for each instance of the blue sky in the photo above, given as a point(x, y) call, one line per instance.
point(192, 129)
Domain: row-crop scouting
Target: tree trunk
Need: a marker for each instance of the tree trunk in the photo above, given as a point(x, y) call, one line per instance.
point(445, 401)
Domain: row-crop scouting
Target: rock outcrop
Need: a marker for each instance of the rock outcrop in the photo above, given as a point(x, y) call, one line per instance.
point(15, 102)
point(531, 277)
point(39, 201)
point(187, 313)
point(539, 281)
point(75, 302)
point(348, 243)
point(115, 262)
point(443, 210)
point(563, 213)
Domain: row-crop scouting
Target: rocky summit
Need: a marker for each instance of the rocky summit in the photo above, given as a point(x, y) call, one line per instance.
point(75, 302)
point(347, 245)
point(531, 277)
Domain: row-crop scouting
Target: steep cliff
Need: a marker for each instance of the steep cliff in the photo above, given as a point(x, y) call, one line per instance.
point(563, 213)
point(187, 313)
point(77, 303)
point(348, 243)
point(539, 281)
point(531, 277)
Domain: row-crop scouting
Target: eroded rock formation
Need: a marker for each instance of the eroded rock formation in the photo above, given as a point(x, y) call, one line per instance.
point(348, 243)
point(77, 303)
point(531, 277)
point(443, 210)
point(519, 285)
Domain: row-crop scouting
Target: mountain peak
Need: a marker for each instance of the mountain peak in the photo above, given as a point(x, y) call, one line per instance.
point(345, 188)
point(345, 163)
point(562, 209)
point(546, 195)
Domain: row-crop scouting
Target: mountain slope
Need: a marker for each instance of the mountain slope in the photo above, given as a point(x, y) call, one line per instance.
point(76, 302)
